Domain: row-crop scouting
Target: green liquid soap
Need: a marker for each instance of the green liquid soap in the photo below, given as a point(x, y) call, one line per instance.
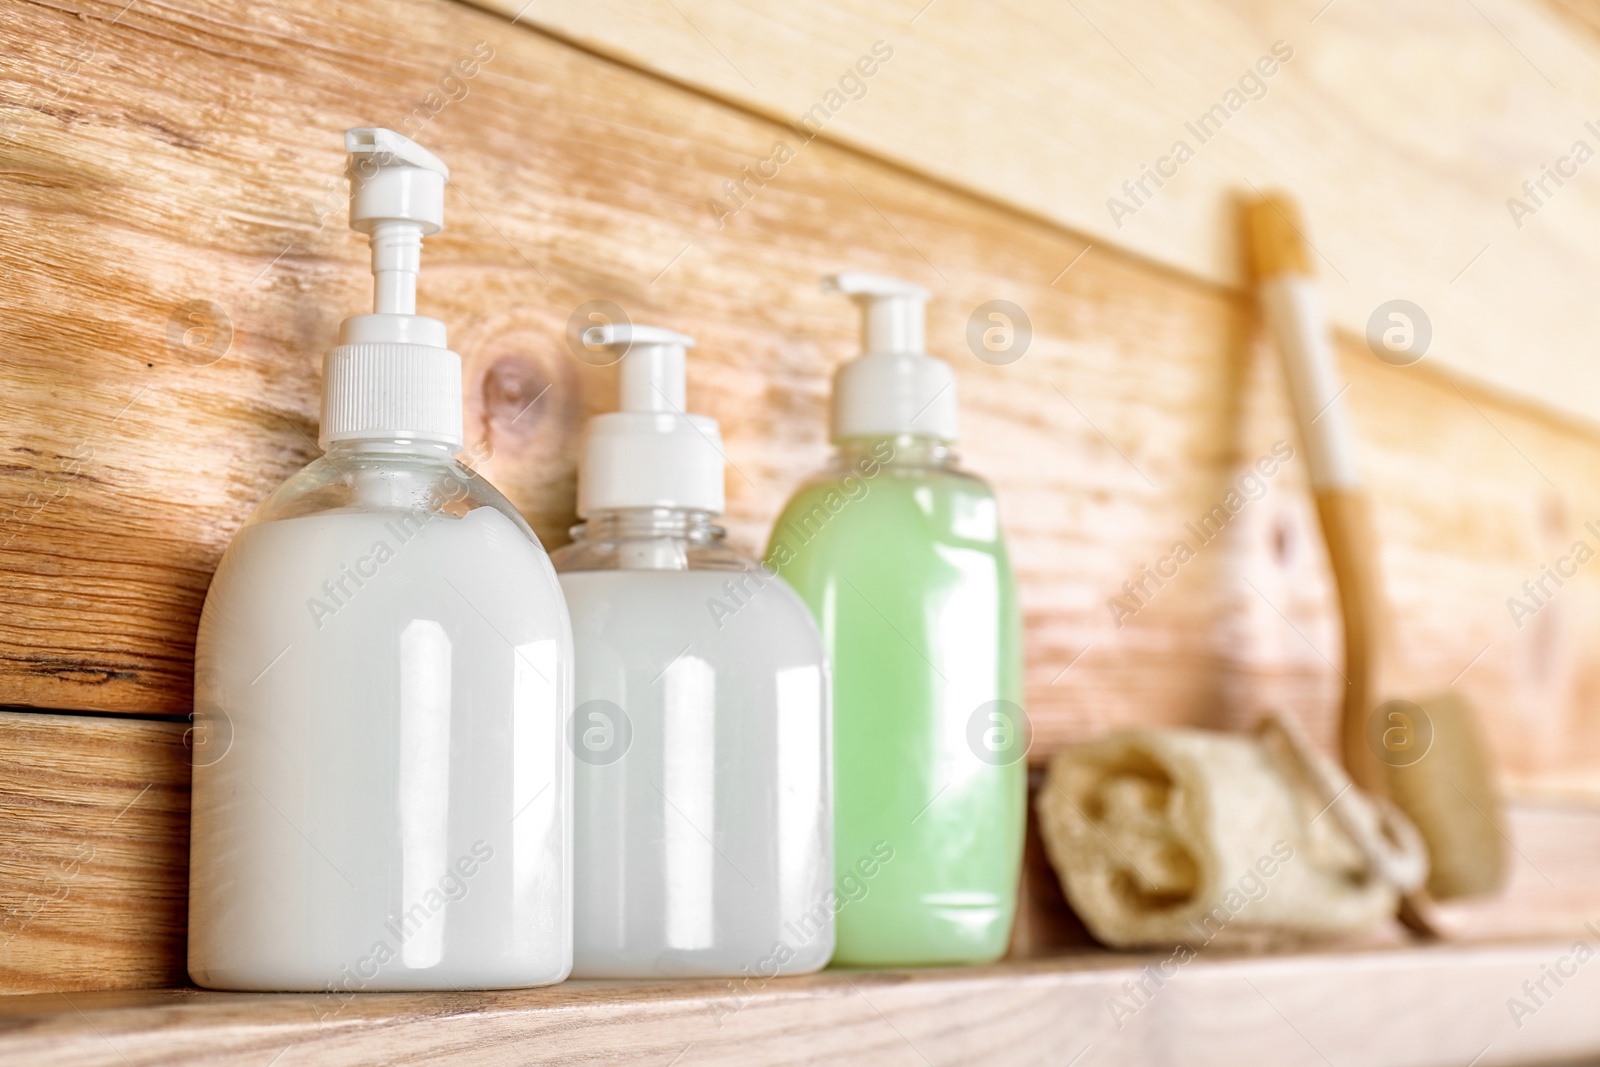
point(900, 557)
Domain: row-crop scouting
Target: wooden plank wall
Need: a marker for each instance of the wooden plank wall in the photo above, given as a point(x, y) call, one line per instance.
point(95, 852)
point(1408, 128)
point(176, 260)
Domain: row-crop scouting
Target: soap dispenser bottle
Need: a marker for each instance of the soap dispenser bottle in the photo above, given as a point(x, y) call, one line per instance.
point(703, 784)
point(384, 671)
point(900, 556)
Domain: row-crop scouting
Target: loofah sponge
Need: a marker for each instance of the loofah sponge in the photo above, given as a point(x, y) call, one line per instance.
point(1172, 836)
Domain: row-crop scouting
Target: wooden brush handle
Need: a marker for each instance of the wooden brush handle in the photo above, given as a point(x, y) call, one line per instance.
point(1273, 239)
point(1347, 529)
point(1352, 553)
point(1280, 260)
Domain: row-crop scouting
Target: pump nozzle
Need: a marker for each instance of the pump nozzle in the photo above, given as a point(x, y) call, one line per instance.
point(396, 198)
point(392, 373)
point(649, 453)
point(652, 372)
point(893, 387)
point(891, 309)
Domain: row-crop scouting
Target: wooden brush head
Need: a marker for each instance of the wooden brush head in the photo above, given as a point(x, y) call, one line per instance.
point(1274, 237)
point(1451, 797)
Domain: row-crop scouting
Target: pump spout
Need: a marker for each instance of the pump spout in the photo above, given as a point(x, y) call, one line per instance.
point(891, 310)
point(396, 198)
point(650, 452)
point(392, 375)
point(893, 387)
point(651, 377)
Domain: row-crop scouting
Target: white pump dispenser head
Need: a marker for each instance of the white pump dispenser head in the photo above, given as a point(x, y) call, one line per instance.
point(392, 375)
point(893, 387)
point(649, 454)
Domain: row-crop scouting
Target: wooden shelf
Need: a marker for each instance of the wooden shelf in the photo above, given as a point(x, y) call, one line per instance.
point(1406, 1005)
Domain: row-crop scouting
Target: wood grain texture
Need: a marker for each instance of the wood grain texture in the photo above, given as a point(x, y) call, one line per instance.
point(194, 157)
point(1385, 1007)
point(94, 853)
point(1405, 128)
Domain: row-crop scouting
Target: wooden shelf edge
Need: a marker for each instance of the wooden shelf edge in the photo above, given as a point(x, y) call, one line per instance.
point(1411, 1005)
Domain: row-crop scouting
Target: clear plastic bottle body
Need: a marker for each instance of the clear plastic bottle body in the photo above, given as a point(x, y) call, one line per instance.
point(703, 787)
point(900, 557)
point(383, 674)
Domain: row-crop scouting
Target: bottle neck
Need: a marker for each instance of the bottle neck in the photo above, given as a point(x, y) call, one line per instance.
point(639, 524)
point(381, 448)
point(900, 450)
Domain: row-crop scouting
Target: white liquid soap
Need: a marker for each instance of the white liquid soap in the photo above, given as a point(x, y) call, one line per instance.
point(703, 802)
point(383, 674)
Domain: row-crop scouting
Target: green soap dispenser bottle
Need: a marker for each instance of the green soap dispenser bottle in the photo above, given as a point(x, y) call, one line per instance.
point(899, 555)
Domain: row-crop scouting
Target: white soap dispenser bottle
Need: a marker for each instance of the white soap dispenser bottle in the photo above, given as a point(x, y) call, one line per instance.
point(703, 804)
point(383, 671)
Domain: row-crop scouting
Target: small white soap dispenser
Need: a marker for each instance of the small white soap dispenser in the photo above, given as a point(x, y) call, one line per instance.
point(384, 672)
point(703, 804)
